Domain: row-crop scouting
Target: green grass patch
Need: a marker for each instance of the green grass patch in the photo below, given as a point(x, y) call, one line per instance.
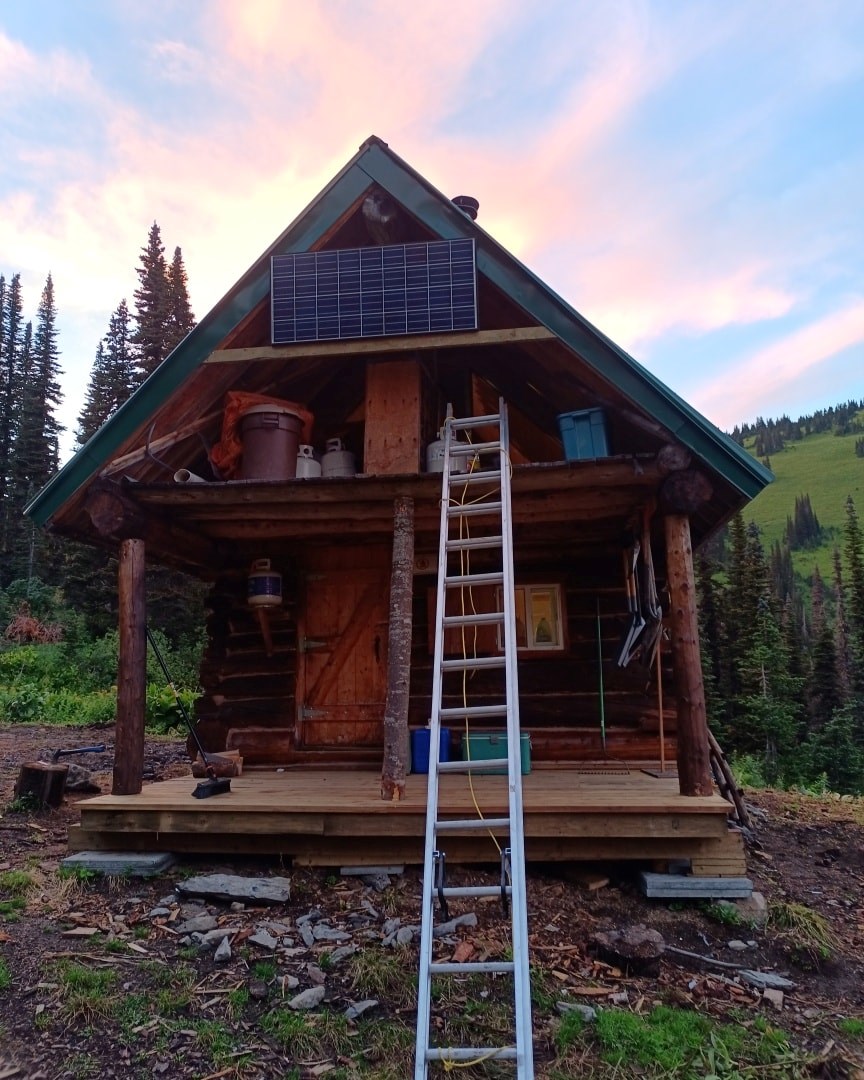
point(10, 910)
point(665, 1039)
point(87, 993)
point(852, 1027)
point(384, 973)
point(5, 975)
point(16, 882)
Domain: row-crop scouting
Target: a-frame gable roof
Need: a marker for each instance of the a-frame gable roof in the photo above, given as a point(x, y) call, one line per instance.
point(376, 164)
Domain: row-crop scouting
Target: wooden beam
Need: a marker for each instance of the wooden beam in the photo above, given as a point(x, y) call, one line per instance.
point(392, 429)
point(513, 335)
point(132, 670)
point(694, 769)
point(395, 763)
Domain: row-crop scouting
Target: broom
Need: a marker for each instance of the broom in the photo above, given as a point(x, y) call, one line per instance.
point(213, 785)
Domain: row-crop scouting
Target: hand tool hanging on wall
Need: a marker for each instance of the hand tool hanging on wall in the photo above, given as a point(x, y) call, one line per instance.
point(636, 625)
point(649, 641)
point(213, 785)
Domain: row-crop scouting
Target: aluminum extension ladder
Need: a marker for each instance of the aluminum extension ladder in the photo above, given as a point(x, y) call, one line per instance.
point(476, 488)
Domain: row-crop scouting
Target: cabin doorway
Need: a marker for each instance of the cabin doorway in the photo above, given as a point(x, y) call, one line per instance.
point(342, 655)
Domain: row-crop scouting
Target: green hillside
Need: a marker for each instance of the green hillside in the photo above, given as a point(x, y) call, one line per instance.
point(823, 466)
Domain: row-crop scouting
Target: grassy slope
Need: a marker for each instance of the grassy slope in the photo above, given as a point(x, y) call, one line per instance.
point(825, 467)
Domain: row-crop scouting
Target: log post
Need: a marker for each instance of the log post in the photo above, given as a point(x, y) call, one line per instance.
point(395, 763)
point(131, 671)
point(694, 769)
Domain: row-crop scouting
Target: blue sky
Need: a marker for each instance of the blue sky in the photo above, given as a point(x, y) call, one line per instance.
point(688, 175)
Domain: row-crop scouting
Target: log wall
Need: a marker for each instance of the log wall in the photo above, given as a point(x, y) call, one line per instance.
point(249, 697)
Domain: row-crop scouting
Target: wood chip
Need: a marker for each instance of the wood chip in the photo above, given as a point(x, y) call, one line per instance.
point(81, 931)
point(592, 991)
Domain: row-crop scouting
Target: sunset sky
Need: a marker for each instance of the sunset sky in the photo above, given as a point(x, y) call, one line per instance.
point(688, 174)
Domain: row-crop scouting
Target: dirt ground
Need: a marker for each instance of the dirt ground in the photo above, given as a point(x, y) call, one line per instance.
point(807, 858)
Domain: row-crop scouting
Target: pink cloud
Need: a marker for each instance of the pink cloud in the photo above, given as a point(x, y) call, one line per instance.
point(757, 377)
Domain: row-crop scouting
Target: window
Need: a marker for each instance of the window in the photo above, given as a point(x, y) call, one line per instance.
point(538, 618)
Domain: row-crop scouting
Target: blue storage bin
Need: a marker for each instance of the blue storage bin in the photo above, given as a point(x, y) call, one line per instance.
point(420, 748)
point(584, 434)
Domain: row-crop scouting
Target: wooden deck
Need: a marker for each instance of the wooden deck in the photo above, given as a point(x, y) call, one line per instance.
point(330, 818)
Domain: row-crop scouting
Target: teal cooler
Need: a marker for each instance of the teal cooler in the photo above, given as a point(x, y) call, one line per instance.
point(420, 748)
point(584, 434)
point(493, 744)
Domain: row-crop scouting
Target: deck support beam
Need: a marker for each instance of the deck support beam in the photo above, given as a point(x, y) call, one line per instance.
point(399, 652)
point(132, 670)
point(694, 769)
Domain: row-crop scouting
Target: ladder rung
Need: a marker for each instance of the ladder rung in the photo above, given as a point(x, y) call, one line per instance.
point(466, 542)
point(469, 422)
point(458, 824)
point(479, 476)
point(468, 663)
point(486, 967)
point(471, 1053)
point(453, 582)
point(473, 509)
point(482, 618)
point(473, 710)
point(463, 892)
point(481, 765)
point(469, 449)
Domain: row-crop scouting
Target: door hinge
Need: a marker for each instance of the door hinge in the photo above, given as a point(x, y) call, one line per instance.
point(308, 644)
point(308, 713)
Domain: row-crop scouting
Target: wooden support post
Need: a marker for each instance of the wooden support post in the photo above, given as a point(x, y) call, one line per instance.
point(694, 769)
point(132, 670)
point(395, 763)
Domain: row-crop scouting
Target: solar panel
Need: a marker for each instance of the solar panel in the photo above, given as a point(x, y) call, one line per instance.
point(422, 288)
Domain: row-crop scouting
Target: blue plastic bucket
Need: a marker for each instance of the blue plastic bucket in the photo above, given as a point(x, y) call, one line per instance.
point(420, 748)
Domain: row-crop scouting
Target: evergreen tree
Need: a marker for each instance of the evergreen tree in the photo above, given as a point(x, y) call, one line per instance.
point(11, 386)
point(35, 451)
point(181, 319)
point(854, 552)
point(152, 306)
point(112, 375)
point(842, 651)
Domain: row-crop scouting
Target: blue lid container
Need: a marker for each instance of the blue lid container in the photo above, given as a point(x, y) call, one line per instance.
point(420, 748)
point(584, 434)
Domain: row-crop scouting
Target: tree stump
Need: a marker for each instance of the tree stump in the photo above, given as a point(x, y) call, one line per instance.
point(42, 783)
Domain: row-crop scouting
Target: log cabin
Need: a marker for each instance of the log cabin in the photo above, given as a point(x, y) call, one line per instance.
point(381, 306)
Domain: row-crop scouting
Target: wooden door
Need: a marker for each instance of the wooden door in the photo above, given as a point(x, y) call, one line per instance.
point(342, 658)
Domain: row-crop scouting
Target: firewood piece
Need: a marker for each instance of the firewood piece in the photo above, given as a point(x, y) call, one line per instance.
point(42, 783)
point(216, 765)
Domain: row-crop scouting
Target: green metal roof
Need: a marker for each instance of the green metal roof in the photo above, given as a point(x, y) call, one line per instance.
point(376, 163)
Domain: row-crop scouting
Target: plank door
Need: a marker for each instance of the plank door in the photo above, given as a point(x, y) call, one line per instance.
point(342, 659)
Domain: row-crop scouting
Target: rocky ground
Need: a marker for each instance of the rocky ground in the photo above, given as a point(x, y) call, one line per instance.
point(176, 976)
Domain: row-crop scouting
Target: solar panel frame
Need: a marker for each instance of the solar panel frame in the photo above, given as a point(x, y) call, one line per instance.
point(395, 289)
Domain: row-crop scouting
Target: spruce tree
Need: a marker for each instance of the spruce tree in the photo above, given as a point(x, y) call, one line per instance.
point(854, 552)
point(35, 451)
point(11, 387)
point(181, 319)
point(152, 306)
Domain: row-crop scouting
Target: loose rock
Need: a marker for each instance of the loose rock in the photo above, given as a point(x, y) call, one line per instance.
point(308, 999)
point(636, 949)
point(275, 890)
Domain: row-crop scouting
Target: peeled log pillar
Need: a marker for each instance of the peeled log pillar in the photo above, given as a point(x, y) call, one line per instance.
point(131, 671)
point(399, 652)
point(694, 768)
